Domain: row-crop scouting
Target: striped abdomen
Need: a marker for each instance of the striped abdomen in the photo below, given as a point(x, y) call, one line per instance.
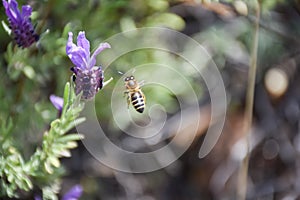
point(138, 101)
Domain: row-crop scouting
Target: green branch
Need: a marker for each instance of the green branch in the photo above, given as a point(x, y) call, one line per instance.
point(44, 168)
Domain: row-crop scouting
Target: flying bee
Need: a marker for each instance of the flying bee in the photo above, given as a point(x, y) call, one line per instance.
point(135, 96)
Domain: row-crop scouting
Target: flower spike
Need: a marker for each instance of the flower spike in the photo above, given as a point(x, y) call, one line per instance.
point(20, 23)
point(88, 77)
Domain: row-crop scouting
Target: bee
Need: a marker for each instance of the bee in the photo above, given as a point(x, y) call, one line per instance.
point(135, 96)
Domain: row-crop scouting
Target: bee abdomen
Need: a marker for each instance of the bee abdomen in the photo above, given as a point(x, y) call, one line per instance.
point(138, 102)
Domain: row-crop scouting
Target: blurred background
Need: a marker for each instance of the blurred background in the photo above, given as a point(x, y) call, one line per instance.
point(225, 29)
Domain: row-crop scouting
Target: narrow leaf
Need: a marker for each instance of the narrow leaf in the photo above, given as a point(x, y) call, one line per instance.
point(73, 124)
point(66, 97)
point(54, 161)
point(71, 145)
point(48, 167)
point(70, 137)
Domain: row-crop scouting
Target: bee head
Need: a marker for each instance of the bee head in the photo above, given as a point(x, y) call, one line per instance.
point(130, 80)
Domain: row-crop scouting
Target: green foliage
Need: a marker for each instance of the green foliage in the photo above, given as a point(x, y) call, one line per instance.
point(13, 172)
point(30, 75)
point(269, 4)
point(43, 168)
point(266, 5)
point(29, 161)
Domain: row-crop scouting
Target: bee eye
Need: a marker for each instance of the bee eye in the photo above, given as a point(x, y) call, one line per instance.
point(131, 77)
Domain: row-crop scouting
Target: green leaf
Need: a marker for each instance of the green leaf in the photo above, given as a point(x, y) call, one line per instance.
point(10, 177)
point(29, 72)
point(6, 128)
point(169, 20)
point(158, 5)
point(49, 194)
point(48, 167)
point(70, 137)
point(54, 161)
point(66, 97)
point(65, 153)
point(72, 124)
point(28, 183)
point(11, 192)
point(55, 124)
point(71, 145)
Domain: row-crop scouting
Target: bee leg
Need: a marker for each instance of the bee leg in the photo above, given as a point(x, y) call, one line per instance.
point(126, 93)
point(128, 101)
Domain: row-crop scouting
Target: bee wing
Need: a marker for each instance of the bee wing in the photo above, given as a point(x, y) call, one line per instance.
point(141, 83)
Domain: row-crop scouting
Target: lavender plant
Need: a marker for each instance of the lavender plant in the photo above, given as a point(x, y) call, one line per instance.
point(43, 168)
point(20, 175)
point(31, 74)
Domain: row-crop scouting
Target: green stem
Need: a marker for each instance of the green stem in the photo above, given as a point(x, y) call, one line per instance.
point(243, 171)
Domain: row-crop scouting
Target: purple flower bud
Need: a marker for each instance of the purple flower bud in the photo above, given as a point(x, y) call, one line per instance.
point(37, 197)
point(57, 101)
point(20, 23)
point(89, 78)
point(74, 193)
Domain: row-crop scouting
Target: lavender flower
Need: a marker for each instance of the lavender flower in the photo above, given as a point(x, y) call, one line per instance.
point(37, 197)
point(58, 103)
point(20, 23)
point(88, 77)
point(74, 193)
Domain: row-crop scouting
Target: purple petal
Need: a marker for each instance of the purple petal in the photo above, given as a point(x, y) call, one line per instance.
point(83, 43)
point(26, 11)
point(37, 197)
point(100, 48)
point(11, 10)
point(5, 4)
point(70, 45)
point(76, 54)
point(57, 101)
point(74, 193)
